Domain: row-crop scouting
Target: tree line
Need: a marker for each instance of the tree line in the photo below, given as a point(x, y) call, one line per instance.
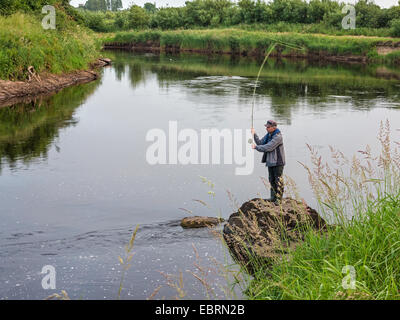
point(107, 16)
point(102, 5)
point(221, 13)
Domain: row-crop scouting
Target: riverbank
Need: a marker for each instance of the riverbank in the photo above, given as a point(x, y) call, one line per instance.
point(255, 43)
point(35, 61)
point(356, 257)
point(354, 262)
point(13, 92)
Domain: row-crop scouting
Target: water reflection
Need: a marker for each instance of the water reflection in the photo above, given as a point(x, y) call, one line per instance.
point(27, 131)
point(284, 84)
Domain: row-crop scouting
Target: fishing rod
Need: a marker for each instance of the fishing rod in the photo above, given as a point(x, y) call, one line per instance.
point(269, 51)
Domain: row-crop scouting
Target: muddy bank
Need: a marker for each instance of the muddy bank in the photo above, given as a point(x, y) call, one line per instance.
point(156, 47)
point(44, 85)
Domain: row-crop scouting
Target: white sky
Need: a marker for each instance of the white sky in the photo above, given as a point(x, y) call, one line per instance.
point(176, 3)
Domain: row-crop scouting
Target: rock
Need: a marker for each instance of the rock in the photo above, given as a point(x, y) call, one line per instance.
point(106, 60)
point(264, 231)
point(101, 62)
point(200, 222)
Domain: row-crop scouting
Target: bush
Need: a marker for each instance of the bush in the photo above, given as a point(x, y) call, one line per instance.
point(168, 18)
point(138, 17)
point(395, 30)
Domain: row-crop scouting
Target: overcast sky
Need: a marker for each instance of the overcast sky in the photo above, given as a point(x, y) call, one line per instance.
point(176, 3)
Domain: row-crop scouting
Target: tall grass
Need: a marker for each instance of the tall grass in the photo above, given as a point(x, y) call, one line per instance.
point(24, 43)
point(233, 40)
point(317, 28)
point(362, 197)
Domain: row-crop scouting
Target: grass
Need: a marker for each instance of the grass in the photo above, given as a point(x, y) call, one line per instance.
point(24, 43)
point(240, 41)
point(364, 202)
point(317, 28)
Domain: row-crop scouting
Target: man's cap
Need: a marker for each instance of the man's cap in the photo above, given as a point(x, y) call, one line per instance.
point(271, 123)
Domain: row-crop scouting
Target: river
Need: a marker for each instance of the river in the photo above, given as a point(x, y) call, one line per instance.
point(75, 179)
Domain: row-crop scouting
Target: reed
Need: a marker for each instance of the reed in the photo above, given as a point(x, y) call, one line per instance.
point(235, 40)
point(125, 262)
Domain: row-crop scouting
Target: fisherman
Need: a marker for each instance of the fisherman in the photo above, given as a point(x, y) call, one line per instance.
point(274, 157)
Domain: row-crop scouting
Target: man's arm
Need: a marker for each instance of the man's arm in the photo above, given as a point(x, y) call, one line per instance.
point(273, 144)
point(259, 141)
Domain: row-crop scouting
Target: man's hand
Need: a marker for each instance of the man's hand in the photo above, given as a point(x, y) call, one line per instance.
point(253, 146)
point(253, 131)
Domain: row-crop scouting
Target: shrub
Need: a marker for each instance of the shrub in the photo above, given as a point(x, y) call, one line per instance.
point(395, 30)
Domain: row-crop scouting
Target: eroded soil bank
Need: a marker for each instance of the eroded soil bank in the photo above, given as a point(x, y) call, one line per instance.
point(12, 92)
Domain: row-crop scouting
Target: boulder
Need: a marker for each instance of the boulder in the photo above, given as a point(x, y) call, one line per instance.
point(261, 231)
point(106, 60)
point(200, 222)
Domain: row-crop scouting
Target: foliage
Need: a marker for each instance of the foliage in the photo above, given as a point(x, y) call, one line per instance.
point(312, 16)
point(244, 41)
point(395, 31)
point(150, 7)
point(11, 6)
point(138, 17)
point(96, 5)
point(103, 5)
point(24, 43)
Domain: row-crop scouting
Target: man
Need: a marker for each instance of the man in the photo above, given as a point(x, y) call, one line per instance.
point(274, 157)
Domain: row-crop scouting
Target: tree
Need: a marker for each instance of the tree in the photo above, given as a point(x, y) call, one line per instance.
point(369, 14)
point(96, 5)
point(138, 17)
point(150, 7)
point(116, 5)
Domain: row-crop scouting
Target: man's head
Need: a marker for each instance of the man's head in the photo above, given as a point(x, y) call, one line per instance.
point(271, 126)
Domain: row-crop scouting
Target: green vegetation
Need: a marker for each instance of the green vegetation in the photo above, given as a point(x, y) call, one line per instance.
point(29, 6)
point(363, 198)
point(395, 27)
point(256, 42)
point(24, 42)
point(98, 5)
point(315, 16)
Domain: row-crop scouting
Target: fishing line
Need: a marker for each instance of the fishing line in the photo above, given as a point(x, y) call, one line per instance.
point(269, 51)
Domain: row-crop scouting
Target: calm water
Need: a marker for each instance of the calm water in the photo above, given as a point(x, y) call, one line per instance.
point(74, 180)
